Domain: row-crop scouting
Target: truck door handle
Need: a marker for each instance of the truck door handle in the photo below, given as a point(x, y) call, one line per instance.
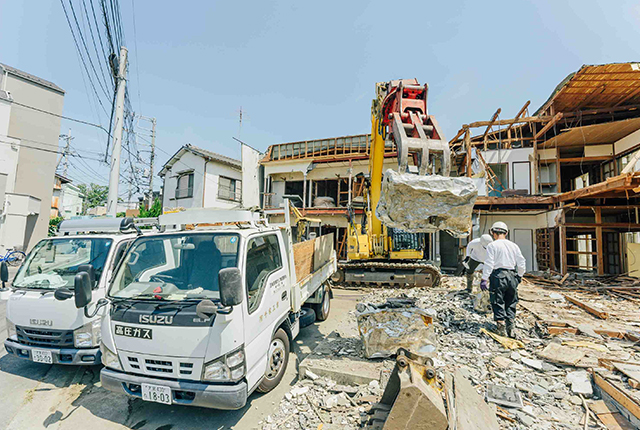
point(284, 295)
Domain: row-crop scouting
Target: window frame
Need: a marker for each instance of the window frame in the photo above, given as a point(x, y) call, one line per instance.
point(246, 280)
point(235, 182)
point(190, 183)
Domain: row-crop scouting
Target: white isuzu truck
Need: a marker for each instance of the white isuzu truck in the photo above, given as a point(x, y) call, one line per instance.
point(43, 325)
point(204, 313)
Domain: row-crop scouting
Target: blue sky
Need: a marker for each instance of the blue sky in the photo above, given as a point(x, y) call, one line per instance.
point(307, 70)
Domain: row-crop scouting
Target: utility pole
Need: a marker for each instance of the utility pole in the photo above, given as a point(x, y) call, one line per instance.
point(114, 177)
point(151, 158)
point(64, 158)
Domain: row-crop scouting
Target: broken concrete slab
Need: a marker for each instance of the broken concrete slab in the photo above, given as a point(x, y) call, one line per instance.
point(505, 396)
point(471, 411)
point(580, 383)
point(343, 370)
point(561, 354)
point(396, 324)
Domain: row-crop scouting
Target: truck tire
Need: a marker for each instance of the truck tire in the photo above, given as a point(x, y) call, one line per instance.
point(323, 308)
point(307, 317)
point(277, 360)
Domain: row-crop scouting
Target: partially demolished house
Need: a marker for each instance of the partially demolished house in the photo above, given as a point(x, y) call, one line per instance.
point(322, 178)
point(564, 179)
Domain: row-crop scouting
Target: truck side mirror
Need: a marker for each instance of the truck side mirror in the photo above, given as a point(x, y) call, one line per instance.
point(4, 273)
point(230, 283)
point(90, 270)
point(82, 289)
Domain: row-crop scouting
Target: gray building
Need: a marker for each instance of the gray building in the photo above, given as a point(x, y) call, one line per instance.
point(28, 155)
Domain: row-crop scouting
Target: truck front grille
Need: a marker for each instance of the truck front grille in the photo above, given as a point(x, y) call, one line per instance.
point(166, 367)
point(45, 337)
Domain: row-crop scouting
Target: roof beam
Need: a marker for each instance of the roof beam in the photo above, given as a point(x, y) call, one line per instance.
point(493, 119)
point(520, 113)
point(557, 117)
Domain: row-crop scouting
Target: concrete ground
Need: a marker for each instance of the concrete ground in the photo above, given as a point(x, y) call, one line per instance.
point(35, 396)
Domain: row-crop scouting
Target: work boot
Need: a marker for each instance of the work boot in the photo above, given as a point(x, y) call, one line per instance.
point(500, 328)
point(511, 329)
point(469, 289)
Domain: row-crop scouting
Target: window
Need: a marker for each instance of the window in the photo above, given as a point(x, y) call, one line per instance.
point(175, 266)
point(184, 186)
point(229, 189)
point(263, 258)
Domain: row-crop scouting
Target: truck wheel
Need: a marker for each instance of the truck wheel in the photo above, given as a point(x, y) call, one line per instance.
point(307, 317)
point(278, 358)
point(324, 307)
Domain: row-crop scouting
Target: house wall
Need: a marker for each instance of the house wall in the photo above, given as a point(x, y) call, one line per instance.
point(36, 168)
point(9, 149)
point(214, 171)
point(627, 142)
point(187, 162)
point(511, 156)
point(71, 201)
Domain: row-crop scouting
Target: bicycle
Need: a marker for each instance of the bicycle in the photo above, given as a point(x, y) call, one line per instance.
point(13, 258)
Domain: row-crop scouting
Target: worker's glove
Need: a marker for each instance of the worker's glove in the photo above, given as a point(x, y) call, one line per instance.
point(483, 285)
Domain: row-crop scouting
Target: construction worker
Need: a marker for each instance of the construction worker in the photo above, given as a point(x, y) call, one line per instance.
point(476, 254)
point(503, 270)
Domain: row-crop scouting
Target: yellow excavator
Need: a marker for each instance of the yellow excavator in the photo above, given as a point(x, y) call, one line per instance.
point(396, 241)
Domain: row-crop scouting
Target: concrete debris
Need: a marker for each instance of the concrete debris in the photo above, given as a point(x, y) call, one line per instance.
point(549, 390)
point(398, 323)
point(503, 395)
point(580, 383)
point(427, 204)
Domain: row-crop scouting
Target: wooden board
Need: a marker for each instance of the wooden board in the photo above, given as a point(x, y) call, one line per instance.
point(618, 394)
point(610, 417)
point(323, 247)
point(593, 311)
point(303, 258)
point(472, 412)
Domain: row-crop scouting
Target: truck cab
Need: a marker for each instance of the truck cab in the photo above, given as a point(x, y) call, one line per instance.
point(43, 324)
point(204, 313)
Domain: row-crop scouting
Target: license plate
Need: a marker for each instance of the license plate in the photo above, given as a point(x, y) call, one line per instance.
point(156, 393)
point(42, 356)
point(141, 333)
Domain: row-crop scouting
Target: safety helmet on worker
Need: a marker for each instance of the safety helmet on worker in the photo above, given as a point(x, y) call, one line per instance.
point(499, 227)
point(485, 240)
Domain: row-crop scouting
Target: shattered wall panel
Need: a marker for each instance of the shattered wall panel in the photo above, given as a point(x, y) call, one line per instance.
point(426, 204)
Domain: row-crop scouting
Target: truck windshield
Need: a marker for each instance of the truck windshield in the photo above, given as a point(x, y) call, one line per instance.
point(53, 263)
point(175, 266)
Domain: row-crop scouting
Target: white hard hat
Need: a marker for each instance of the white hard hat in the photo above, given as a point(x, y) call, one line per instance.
point(485, 240)
point(500, 227)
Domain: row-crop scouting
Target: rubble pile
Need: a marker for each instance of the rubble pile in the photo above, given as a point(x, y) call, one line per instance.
point(545, 380)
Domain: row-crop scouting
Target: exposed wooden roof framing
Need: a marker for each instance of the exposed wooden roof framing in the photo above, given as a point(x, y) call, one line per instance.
point(596, 86)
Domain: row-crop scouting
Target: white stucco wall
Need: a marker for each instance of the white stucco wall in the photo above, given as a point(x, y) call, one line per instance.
point(511, 156)
point(214, 171)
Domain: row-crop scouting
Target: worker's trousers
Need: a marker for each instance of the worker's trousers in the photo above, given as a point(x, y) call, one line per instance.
point(470, 271)
point(503, 291)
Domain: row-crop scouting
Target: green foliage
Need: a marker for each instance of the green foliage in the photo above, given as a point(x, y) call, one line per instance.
point(121, 214)
point(53, 225)
point(154, 211)
point(94, 195)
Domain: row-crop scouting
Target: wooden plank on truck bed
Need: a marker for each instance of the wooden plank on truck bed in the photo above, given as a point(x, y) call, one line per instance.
point(303, 258)
point(323, 247)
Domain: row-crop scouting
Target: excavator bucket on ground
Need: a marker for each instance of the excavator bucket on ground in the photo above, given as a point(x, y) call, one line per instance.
point(412, 399)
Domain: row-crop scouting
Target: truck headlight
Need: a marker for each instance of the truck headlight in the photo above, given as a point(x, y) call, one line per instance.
point(228, 368)
point(88, 335)
point(109, 358)
point(11, 329)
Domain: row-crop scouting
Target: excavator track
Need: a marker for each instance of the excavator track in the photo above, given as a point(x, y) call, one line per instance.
point(420, 273)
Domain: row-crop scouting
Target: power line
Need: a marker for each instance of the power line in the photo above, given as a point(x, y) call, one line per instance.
point(6, 142)
point(62, 116)
point(81, 56)
point(135, 45)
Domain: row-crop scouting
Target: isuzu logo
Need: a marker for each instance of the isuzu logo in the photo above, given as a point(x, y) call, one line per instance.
point(48, 323)
point(156, 319)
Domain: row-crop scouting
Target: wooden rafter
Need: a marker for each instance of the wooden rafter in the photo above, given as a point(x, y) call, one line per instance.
point(520, 113)
point(557, 117)
point(493, 120)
